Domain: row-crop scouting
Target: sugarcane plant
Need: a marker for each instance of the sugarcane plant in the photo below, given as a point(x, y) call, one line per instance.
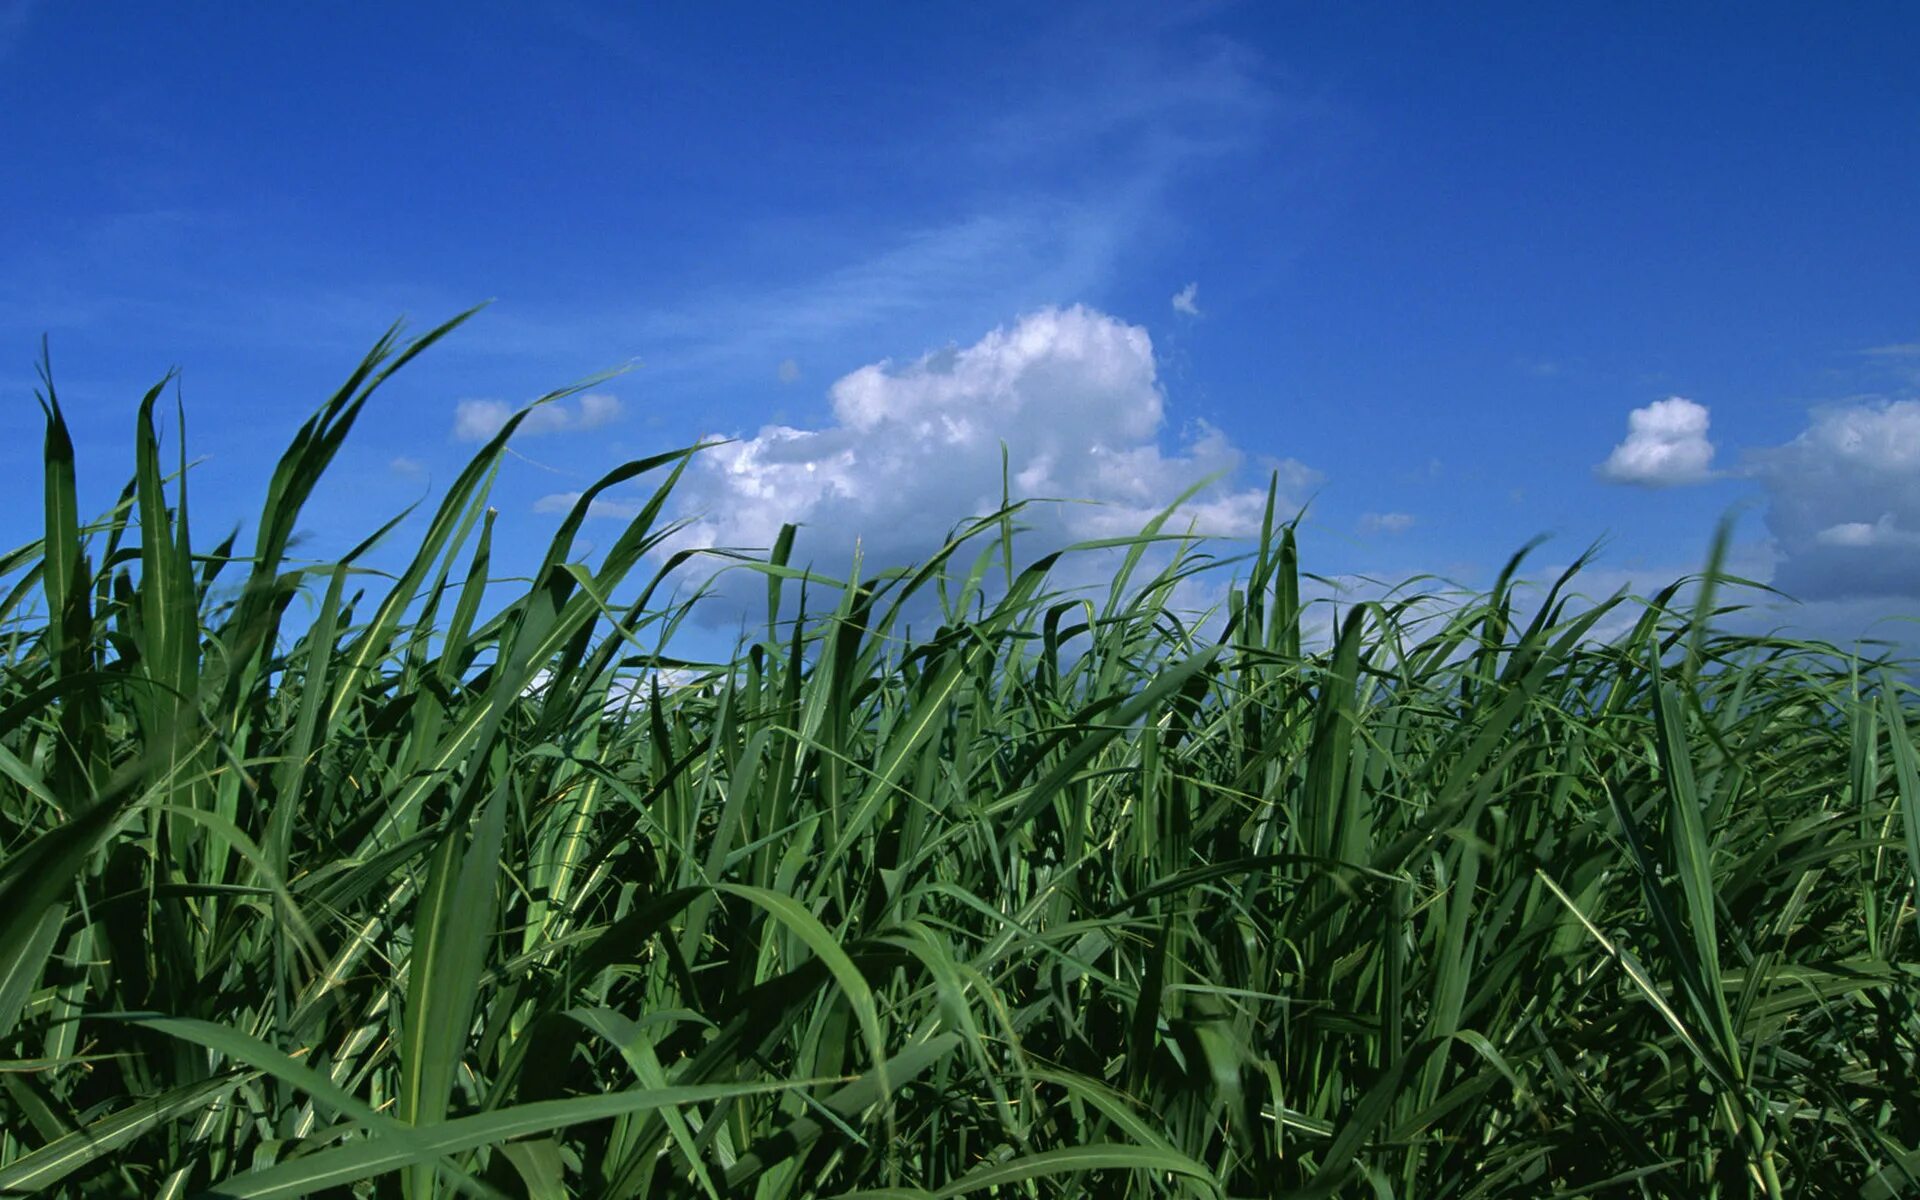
point(328, 880)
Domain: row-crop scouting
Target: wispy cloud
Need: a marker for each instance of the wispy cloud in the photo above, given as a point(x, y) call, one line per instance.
point(600, 507)
point(1052, 197)
point(1386, 522)
point(478, 420)
point(1185, 300)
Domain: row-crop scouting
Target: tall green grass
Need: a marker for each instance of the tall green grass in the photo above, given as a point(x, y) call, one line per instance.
point(320, 882)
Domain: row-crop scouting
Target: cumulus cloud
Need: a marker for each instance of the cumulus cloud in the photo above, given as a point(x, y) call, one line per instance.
point(1844, 502)
point(1388, 522)
point(1666, 446)
point(1186, 300)
point(478, 420)
point(914, 448)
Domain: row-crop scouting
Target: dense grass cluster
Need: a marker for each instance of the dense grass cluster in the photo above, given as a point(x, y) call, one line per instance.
point(323, 883)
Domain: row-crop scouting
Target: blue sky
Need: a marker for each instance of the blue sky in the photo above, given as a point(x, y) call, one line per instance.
point(1425, 265)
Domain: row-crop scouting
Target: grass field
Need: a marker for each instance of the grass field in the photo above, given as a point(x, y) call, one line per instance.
point(322, 883)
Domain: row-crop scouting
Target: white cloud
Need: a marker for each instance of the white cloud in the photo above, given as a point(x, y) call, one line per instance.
point(411, 468)
point(1844, 502)
point(1666, 446)
point(915, 448)
point(1389, 522)
point(478, 420)
point(1185, 300)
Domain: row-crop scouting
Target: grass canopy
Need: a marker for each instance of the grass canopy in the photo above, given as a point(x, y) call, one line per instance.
point(420, 896)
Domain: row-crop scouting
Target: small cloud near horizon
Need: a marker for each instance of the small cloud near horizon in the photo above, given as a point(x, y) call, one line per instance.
point(1666, 446)
point(478, 420)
